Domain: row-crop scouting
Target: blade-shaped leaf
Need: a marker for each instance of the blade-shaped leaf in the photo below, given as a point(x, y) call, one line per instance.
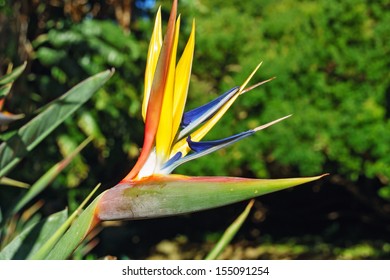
point(160, 196)
point(48, 177)
point(4, 90)
point(9, 78)
point(229, 233)
point(32, 133)
point(13, 183)
point(32, 238)
point(65, 244)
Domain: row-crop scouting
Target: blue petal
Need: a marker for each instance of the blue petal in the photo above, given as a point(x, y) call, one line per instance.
point(192, 115)
point(205, 147)
point(193, 118)
point(199, 147)
point(173, 159)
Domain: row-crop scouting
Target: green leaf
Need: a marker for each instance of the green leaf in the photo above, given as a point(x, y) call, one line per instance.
point(68, 242)
point(49, 57)
point(90, 127)
point(384, 192)
point(9, 78)
point(48, 177)
point(13, 183)
point(32, 238)
point(32, 133)
point(79, 171)
point(61, 38)
point(160, 196)
point(4, 90)
point(230, 233)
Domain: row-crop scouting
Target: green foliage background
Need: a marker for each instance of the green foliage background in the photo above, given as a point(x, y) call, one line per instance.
point(331, 60)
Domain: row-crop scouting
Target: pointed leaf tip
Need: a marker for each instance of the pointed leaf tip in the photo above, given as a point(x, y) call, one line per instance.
point(33, 132)
point(13, 75)
point(230, 233)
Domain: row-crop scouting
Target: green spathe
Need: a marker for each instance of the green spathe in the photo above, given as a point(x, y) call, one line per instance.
point(160, 196)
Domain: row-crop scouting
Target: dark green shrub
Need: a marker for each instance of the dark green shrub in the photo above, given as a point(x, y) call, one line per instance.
point(331, 60)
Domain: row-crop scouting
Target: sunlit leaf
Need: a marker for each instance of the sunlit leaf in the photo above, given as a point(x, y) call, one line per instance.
point(69, 241)
point(32, 238)
point(90, 127)
point(79, 170)
point(48, 177)
point(4, 90)
point(13, 183)
point(9, 78)
point(160, 196)
point(32, 133)
point(229, 233)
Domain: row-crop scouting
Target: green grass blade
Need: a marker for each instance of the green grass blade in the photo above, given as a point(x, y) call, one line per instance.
point(48, 177)
point(13, 183)
point(9, 78)
point(11, 248)
point(32, 238)
point(75, 235)
point(229, 233)
point(32, 133)
point(68, 243)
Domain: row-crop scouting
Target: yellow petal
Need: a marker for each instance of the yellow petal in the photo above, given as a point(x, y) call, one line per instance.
point(165, 135)
point(156, 98)
point(182, 80)
point(242, 87)
point(151, 63)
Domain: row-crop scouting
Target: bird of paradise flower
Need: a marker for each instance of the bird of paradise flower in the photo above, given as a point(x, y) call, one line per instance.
point(172, 138)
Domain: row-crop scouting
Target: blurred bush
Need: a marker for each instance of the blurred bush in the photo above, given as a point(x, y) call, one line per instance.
point(331, 60)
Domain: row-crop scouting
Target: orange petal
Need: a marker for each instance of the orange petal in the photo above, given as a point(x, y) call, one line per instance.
point(156, 94)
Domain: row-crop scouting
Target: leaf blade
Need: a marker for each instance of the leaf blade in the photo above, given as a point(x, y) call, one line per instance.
point(11, 77)
point(229, 233)
point(13, 183)
point(32, 133)
point(60, 245)
point(29, 240)
point(48, 177)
